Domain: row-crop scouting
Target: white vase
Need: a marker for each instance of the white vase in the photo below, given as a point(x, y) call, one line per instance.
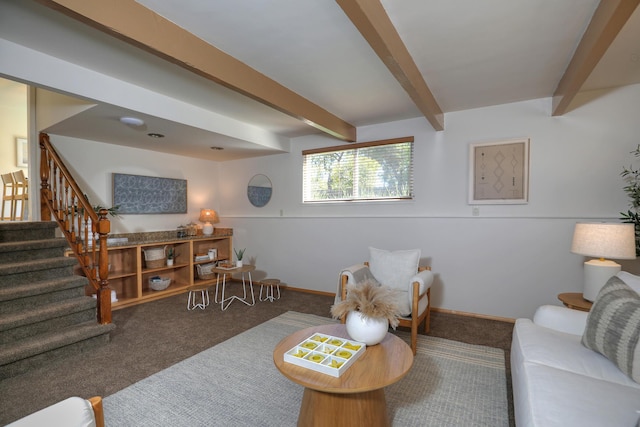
point(239, 263)
point(366, 329)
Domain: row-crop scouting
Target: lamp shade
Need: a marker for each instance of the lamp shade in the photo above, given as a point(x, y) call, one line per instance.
point(604, 240)
point(208, 215)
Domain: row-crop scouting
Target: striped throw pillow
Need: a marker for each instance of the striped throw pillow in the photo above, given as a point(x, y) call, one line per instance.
point(613, 327)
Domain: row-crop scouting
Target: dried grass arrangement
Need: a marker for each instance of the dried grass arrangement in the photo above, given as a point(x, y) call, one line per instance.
point(370, 299)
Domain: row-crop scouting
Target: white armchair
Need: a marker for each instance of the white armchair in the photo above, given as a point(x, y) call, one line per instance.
point(71, 412)
point(398, 270)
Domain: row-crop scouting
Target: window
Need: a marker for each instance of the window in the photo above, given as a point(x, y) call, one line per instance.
point(378, 170)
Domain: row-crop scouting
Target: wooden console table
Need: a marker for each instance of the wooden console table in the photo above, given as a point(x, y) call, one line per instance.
point(357, 397)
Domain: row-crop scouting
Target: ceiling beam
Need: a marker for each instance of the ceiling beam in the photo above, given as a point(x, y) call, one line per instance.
point(374, 24)
point(606, 23)
point(133, 23)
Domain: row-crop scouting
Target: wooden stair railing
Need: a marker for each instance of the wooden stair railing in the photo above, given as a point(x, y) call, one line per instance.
point(62, 200)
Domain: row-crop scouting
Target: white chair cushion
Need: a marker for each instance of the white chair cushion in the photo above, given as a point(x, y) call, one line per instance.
point(71, 412)
point(395, 270)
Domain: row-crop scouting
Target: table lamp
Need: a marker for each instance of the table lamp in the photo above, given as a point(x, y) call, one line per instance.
point(208, 216)
point(602, 240)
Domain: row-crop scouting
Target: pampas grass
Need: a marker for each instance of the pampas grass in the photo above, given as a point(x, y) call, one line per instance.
point(370, 299)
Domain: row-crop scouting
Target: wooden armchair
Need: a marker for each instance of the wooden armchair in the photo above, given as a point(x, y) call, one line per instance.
point(70, 412)
point(415, 301)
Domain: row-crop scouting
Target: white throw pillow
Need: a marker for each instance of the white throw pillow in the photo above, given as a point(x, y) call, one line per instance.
point(631, 280)
point(394, 269)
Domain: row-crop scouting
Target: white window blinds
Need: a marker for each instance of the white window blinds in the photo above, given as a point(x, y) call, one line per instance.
point(378, 170)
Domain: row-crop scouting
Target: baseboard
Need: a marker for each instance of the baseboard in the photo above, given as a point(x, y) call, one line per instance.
point(436, 309)
point(476, 315)
point(311, 291)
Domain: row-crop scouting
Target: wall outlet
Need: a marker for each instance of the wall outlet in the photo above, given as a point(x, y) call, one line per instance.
point(475, 211)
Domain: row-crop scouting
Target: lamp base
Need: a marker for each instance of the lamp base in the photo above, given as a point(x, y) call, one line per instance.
point(596, 274)
point(207, 229)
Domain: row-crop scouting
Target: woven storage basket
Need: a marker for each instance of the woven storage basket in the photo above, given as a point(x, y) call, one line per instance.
point(156, 263)
point(154, 257)
point(160, 285)
point(204, 271)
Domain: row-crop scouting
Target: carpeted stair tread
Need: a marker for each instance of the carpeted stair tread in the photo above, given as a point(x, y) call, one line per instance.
point(26, 230)
point(34, 265)
point(33, 244)
point(42, 343)
point(48, 312)
point(11, 292)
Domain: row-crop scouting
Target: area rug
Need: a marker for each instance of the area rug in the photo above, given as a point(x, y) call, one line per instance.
point(236, 383)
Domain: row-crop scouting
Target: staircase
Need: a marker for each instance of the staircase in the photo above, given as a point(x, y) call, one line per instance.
point(44, 313)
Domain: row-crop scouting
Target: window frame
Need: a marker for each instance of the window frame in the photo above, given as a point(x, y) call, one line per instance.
point(358, 146)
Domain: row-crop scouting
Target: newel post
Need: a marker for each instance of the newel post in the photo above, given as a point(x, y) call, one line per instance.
point(103, 229)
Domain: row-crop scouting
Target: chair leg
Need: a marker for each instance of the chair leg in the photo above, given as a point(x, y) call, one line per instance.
point(427, 319)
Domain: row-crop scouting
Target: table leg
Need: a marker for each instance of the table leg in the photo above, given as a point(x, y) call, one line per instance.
point(319, 409)
point(230, 299)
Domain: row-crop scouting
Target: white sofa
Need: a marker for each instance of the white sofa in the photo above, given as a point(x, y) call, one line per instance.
point(557, 381)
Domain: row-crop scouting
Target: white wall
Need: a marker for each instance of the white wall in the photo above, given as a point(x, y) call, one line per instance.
point(13, 124)
point(505, 262)
point(92, 165)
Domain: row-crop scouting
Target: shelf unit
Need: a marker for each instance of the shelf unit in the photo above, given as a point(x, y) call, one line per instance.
point(129, 275)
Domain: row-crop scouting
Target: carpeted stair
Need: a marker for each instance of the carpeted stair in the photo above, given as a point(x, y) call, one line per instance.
point(44, 312)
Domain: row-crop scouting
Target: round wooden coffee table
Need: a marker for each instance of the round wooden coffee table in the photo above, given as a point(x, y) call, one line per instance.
point(355, 398)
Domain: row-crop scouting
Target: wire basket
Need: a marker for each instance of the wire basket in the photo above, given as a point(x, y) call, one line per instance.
point(205, 271)
point(159, 283)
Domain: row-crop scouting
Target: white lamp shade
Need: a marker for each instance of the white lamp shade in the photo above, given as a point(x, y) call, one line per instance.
point(605, 240)
point(602, 240)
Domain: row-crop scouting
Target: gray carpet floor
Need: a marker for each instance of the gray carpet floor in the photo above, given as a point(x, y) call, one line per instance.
point(235, 383)
point(153, 336)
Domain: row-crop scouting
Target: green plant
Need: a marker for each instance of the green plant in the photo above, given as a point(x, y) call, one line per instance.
point(632, 189)
point(170, 253)
point(239, 253)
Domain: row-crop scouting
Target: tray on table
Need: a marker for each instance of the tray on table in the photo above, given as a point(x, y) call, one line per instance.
point(325, 354)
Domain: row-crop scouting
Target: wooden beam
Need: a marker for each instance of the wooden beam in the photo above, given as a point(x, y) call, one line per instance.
point(374, 24)
point(606, 23)
point(133, 23)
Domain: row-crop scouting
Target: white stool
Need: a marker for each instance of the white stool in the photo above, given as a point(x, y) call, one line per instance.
point(269, 284)
point(193, 293)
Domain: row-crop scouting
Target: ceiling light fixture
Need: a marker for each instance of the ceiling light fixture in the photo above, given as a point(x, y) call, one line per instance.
point(155, 135)
point(132, 121)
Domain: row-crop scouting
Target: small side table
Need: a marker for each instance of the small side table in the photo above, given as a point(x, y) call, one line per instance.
point(575, 301)
point(204, 297)
point(224, 272)
point(269, 284)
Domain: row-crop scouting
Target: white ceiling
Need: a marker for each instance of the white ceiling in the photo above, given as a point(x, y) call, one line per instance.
point(470, 53)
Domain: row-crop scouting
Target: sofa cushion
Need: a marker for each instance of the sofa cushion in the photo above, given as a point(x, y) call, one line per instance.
point(630, 279)
point(533, 343)
point(549, 397)
point(395, 269)
point(613, 326)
